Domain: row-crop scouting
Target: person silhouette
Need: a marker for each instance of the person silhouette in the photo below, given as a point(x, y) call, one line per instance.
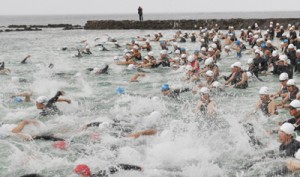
point(140, 12)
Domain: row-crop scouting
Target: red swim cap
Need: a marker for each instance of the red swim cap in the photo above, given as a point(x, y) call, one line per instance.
point(61, 145)
point(82, 169)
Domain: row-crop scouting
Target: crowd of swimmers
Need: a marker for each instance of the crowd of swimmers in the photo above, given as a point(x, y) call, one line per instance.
point(201, 70)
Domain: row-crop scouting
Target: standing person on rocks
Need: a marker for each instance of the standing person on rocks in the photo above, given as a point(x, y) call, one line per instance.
point(140, 12)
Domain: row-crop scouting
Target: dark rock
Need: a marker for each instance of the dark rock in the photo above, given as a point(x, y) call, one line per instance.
point(187, 24)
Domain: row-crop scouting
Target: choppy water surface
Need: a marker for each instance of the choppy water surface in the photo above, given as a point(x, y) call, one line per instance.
point(187, 144)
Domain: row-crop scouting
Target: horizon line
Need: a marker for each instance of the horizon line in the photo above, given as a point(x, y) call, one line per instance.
point(150, 13)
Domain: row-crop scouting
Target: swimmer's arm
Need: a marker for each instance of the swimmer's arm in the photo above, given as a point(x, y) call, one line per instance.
point(230, 79)
point(284, 101)
point(64, 100)
point(211, 109)
point(258, 105)
point(184, 90)
point(141, 133)
point(293, 165)
point(272, 108)
point(22, 124)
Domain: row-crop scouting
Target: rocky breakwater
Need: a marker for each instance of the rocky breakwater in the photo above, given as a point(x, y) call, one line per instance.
point(17, 28)
point(238, 23)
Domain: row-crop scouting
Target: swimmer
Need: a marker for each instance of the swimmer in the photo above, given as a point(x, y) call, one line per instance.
point(84, 171)
point(205, 105)
point(48, 107)
point(99, 70)
point(4, 70)
point(26, 95)
point(266, 104)
point(166, 91)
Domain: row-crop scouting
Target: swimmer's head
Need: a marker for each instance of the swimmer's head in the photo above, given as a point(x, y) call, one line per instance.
point(41, 101)
point(82, 169)
point(120, 90)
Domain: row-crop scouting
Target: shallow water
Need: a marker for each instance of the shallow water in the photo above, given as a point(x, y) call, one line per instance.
point(187, 145)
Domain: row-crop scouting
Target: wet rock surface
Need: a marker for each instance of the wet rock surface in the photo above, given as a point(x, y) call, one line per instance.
point(187, 24)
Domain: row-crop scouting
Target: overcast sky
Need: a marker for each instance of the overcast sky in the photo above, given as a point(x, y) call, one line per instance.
point(47, 7)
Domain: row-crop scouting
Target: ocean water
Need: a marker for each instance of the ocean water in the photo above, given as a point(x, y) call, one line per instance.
point(81, 19)
point(187, 145)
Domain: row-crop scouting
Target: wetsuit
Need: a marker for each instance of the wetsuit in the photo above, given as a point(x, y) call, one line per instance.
point(237, 79)
point(114, 169)
point(193, 38)
point(175, 93)
point(278, 69)
point(48, 138)
point(293, 95)
point(292, 56)
point(297, 67)
point(293, 35)
point(50, 108)
point(264, 107)
point(165, 62)
point(32, 175)
point(290, 149)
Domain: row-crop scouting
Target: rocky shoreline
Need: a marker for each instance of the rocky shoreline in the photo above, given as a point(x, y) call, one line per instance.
point(238, 23)
point(17, 28)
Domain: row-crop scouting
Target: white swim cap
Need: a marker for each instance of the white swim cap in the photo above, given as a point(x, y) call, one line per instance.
point(209, 73)
point(210, 49)
point(298, 51)
point(136, 47)
point(176, 59)
point(177, 51)
point(128, 55)
point(216, 84)
point(204, 90)
point(291, 46)
point(146, 57)
point(291, 82)
point(237, 64)
point(295, 104)
point(283, 57)
point(191, 58)
point(203, 49)
point(97, 70)
point(287, 128)
point(274, 53)
point(227, 47)
point(214, 46)
point(257, 51)
point(209, 61)
point(150, 54)
point(264, 91)
point(283, 76)
point(183, 55)
point(42, 99)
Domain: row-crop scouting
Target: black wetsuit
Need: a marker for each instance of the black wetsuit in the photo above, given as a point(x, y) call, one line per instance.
point(48, 138)
point(290, 149)
point(293, 95)
point(297, 67)
point(278, 69)
point(292, 56)
point(193, 38)
point(50, 108)
point(114, 169)
point(237, 79)
point(264, 107)
point(32, 175)
point(176, 93)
